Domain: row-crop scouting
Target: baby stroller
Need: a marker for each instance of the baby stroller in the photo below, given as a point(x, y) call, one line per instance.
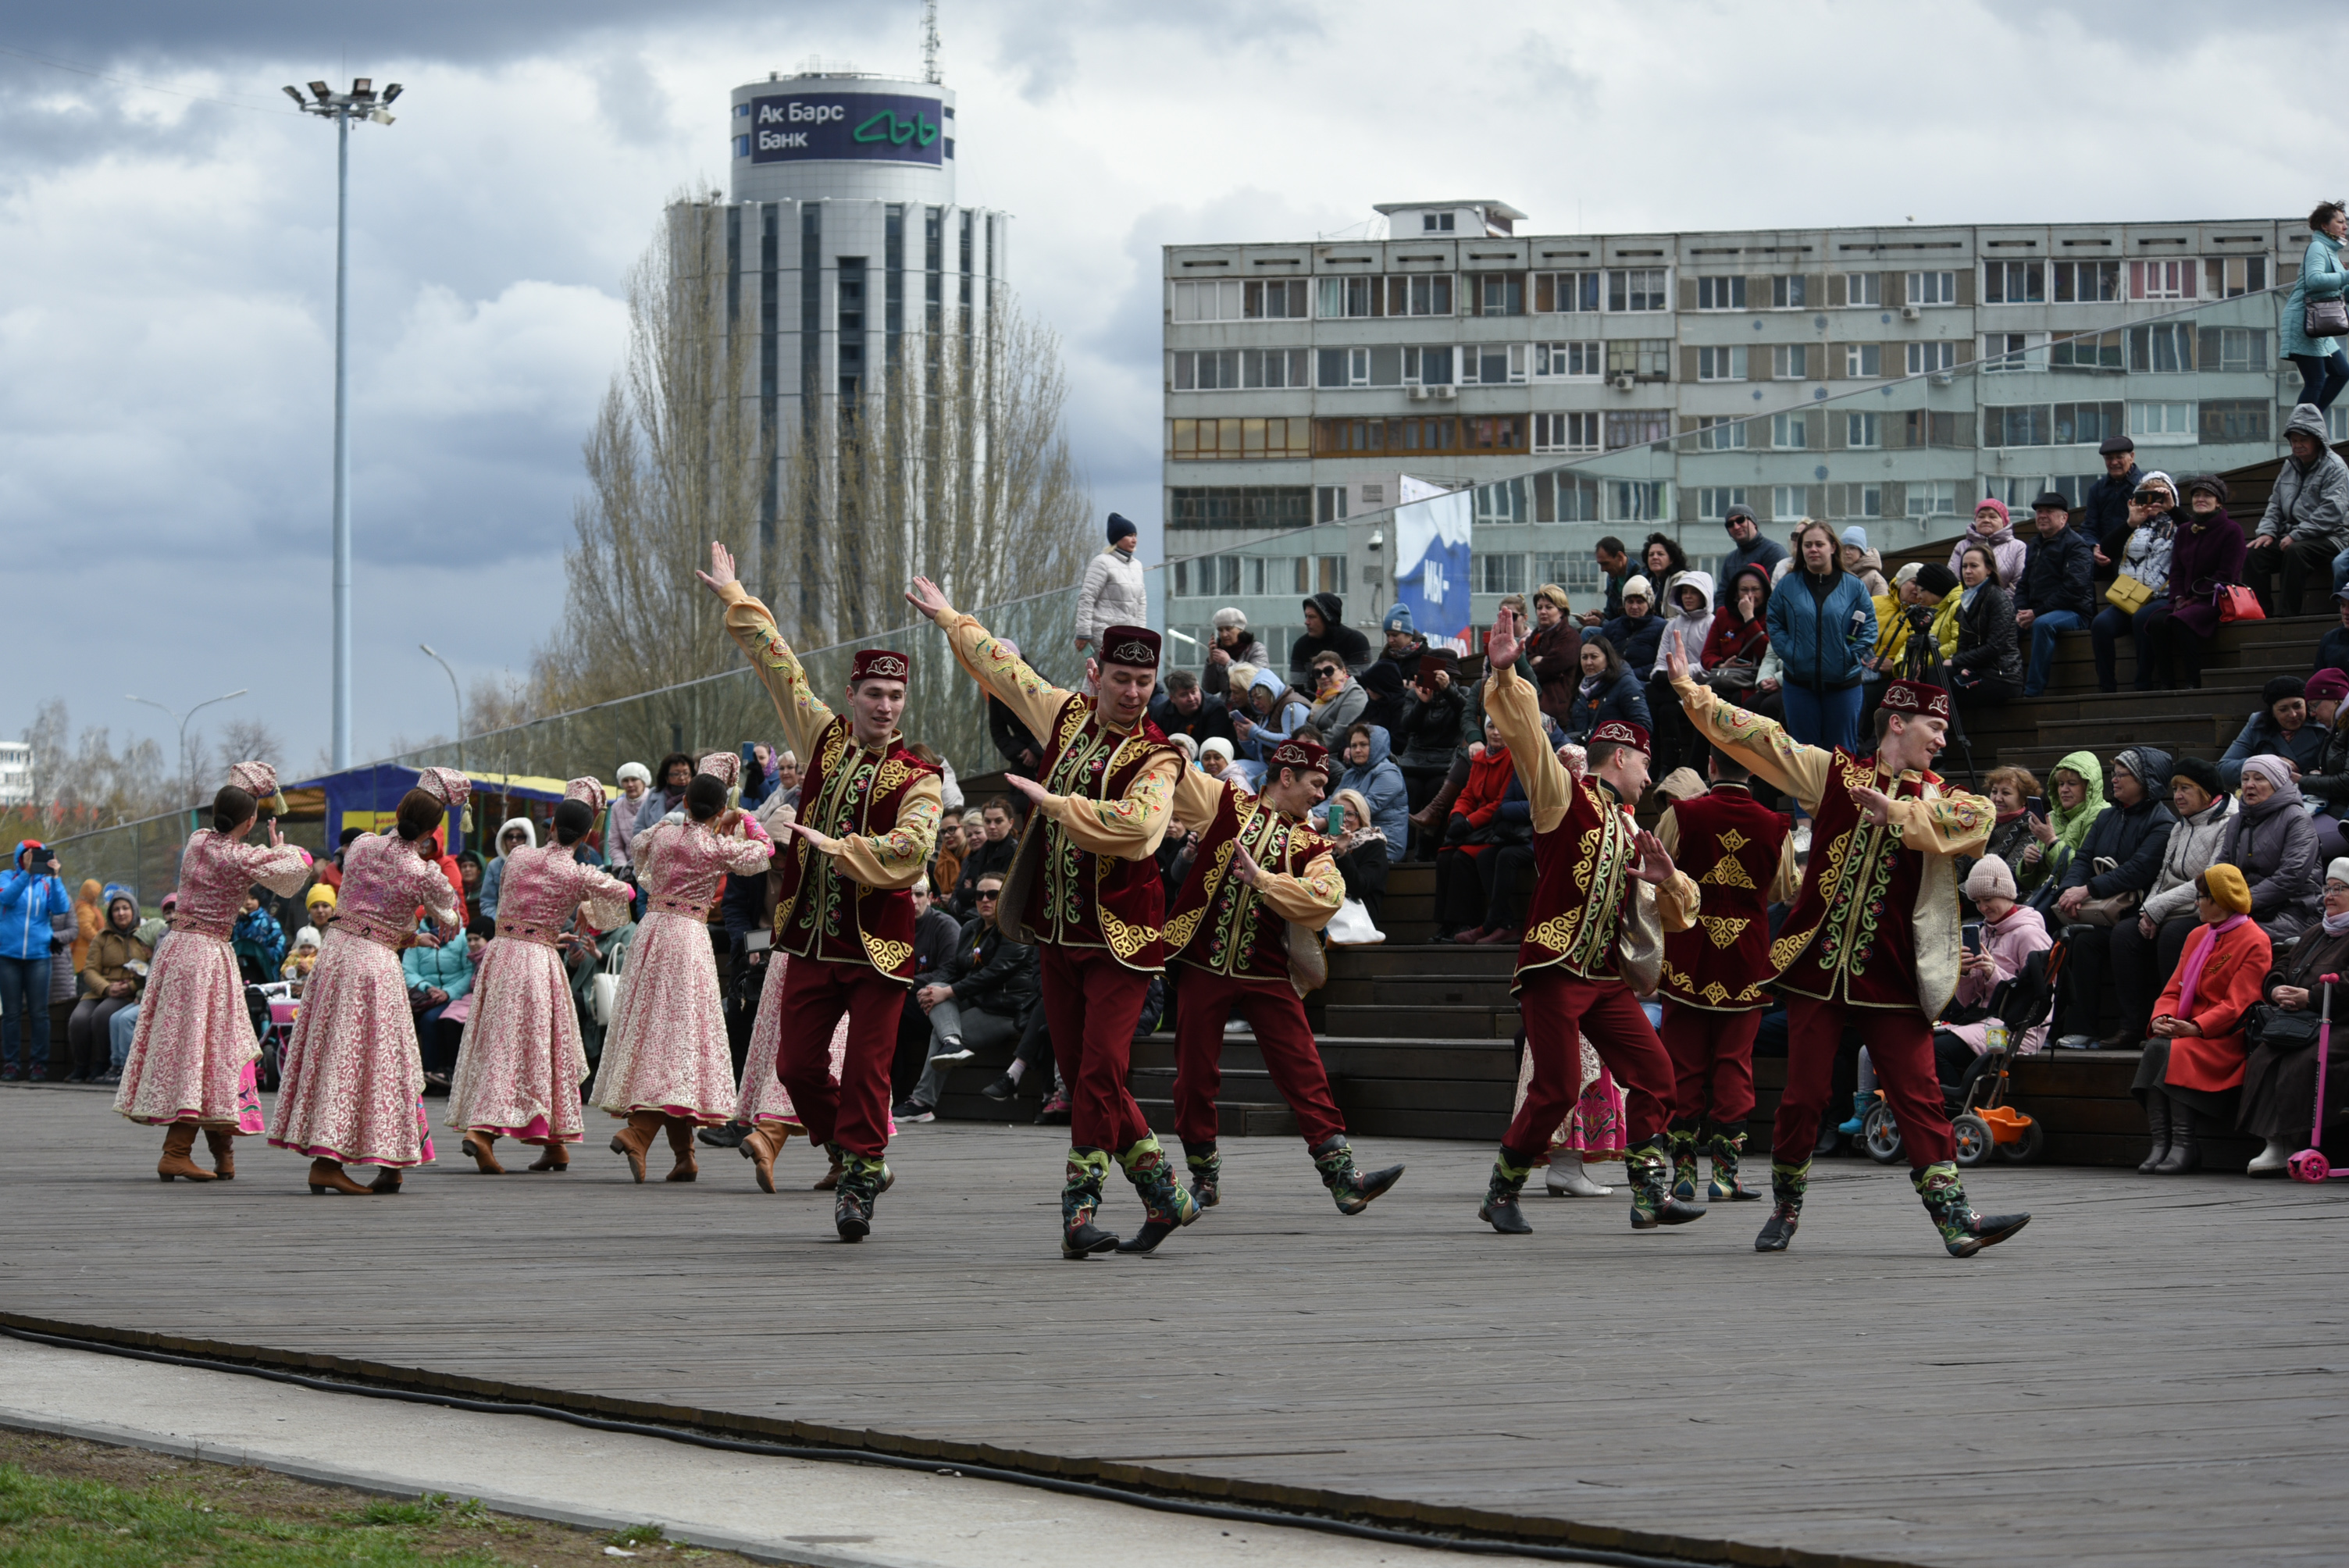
point(1982, 1121)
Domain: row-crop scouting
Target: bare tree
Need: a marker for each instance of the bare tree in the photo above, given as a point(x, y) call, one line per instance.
point(82, 784)
point(251, 740)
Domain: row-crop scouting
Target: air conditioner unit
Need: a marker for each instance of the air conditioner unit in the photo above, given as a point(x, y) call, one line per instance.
point(1620, 383)
point(1944, 377)
point(1443, 394)
point(1911, 313)
point(1419, 394)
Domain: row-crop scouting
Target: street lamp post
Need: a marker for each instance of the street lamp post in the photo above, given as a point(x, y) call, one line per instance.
point(454, 693)
point(187, 774)
point(327, 104)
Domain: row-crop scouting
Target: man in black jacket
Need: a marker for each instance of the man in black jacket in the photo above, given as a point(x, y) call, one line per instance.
point(1183, 709)
point(1325, 631)
point(1429, 735)
point(2058, 591)
point(2122, 854)
point(936, 939)
point(983, 1001)
point(2104, 511)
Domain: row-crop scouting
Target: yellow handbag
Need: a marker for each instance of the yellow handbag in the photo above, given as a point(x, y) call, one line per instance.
point(2128, 593)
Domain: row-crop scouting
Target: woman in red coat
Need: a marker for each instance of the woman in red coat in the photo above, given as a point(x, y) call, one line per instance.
point(2193, 1067)
point(1460, 901)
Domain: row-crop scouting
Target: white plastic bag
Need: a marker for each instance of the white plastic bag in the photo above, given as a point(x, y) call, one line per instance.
point(1351, 927)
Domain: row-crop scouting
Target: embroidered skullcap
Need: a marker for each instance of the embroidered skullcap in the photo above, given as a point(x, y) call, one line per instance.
point(589, 792)
point(257, 780)
point(1295, 753)
point(2227, 887)
point(1620, 732)
point(1916, 697)
point(724, 764)
point(1135, 646)
point(445, 785)
point(880, 665)
point(637, 771)
point(1990, 877)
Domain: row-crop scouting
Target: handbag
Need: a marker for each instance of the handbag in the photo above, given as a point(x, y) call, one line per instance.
point(2237, 603)
point(2110, 911)
point(2129, 594)
point(2326, 318)
point(604, 987)
point(2271, 1027)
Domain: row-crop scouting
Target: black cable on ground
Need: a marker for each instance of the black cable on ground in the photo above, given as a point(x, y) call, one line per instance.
point(1228, 1513)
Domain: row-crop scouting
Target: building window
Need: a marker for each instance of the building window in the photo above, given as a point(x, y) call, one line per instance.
point(1862, 430)
point(1721, 294)
point(1720, 434)
point(1791, 432)
point(1637, 501)
point(1332, 503)
point(2165, 347)
point(1863, 288)
point(1500, 293)
point(1207, 299)
point(2233, 419)
point(1566, 432)
point(2224, 277)
point(1228, 369)
point(1787, 293)
point(1790, 362)
point(2087, 351)
point(1855, 501)
point(1931, 358)
point(1329, 572)
point(1204, 440)
point(1505, 433)
point(2161, 280)
point(1932, 498)
point(1428, 366)
point(1498, 573)
point(1209, 372)
point(1272, 368)
point(1346, 297)
point(1274, 299)
point(1636, 288)
point(2238, 348)
point(1498, 504)
point(1405, 437)
point(2086, 423)
point(2015, 425)
point(1925, 429)
point(1788, 502)
point(2161, 421)
point(1555, 293)
point(1642, 359)
point(2015, 283)
point(1567, 361)
point(1713, 501)
point(1436, 223)
point(1492, 364)
point(1566, 496)
point(1721, 364)
point(1932, 288)
point(2087, 282)
point(1207, 576)
point(1638, 427)
point(1260, 509)
point(1426, 295)
point(2045, 424)
point(1863, 360)
point(2007, 351)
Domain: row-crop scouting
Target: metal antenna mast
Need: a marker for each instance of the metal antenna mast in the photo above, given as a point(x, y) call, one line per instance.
point(930, 41)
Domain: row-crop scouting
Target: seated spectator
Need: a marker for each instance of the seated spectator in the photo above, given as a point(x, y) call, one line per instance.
point(992, 855)
point(2206, 555)
point(1690, 598)
point(436, 977)
point(982, 999)
point(1492, 814)
point(2009, 790)
point(2011, 934)
point(514, 833)
point(1233, 644)
point(1382, 685)
point(2078, 782)
point(1403, 642)
point(1364, 852)
point(1326, 632)
point(2279, 1103)
point(2192, 1069)
point(936, 938)
point(317, 904)
point(1747, 547)
point(758, 774)
point(944, 869)
point(1662, 558)
point(2306, 523)
point(2326, 786)
point(113, 973)
point(1987, 666)
point(2103, 512)
point(1993, 532)
point(1635, 634)
point(1215, 761)
point(302, 957)
point(2272, 844)
point(2116, 865)
point(2059, 588)
point(1555, 651)
point(676, 773)
point(1337, 698)
point(2146, 558)
point(473, 873)
point(2280, 727)
point(1864, 563)
point(1608, 691)
point(1183, 708)
point(258, 942)
point(1372, 773)
point(1273, 713)
point(2145, 950)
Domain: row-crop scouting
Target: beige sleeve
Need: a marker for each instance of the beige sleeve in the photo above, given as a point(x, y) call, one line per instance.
point(1308, 900)
point(1006, 678)
point(895, 859)
point(1789, 880)
point(1197, 797)
point(1765, 747)
point(1515, 712)
point(1676, 901)
point(1667, 832)
point(1129, 827)
point(750, 625)
point(1954, 823)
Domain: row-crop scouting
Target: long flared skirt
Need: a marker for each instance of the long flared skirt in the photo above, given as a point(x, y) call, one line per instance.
point(520, 1063)
point(193, 1055)
point(764, 1099)
point(1596, 1127)
point(352, 1084)
point(666, 1050)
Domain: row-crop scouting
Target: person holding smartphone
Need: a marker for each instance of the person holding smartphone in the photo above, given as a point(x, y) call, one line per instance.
point(31, 895)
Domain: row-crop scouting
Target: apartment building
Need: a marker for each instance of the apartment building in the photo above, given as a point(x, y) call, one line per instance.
point(1625, 384)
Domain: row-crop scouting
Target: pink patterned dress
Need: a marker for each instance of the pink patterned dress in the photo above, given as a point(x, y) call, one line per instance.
point(666, 1050)
point(764, 1099)
point(521, 1064)
point(192, 1057)
point(352, 1088)
point(1596, 1127)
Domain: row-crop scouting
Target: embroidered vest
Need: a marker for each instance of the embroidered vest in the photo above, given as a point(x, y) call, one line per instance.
point(1588, 915)
point(1729, 843)
point(822, 913)
point(1852, 933)
point(1219, 924)
point(1070, 897)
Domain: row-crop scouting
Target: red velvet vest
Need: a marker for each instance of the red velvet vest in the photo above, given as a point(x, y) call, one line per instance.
point(1729, 843)
point(1220, 924)
point(1070, 897)
point(1851, 936)
point(823, 913)
point(1582, 875)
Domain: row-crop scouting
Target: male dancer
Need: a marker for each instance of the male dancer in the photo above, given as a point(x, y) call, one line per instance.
point(1085, 890)
point(868, 817)
point(1261, 884)
point(1590, 929)
point(1716, 975)
point(1872, 941)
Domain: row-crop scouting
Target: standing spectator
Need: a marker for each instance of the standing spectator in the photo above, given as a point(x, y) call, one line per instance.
point(514, 833)
point(1326, 632)
point(89, 919)
point(1607, 690)
point(936, 937)
point(1234, 645)
point(1111, 593)
point(1988, 664)
point(1555, 651)
point(620, 826)
point(2146, 556)
point(258, 942)
point(2306, 523)
point(787, 778)
point(676, 773)
point(1615, 570)
point(2272, 841)
point(1404, 644)
point(2281, 728)
point(1821, 619)
point(2206, 555)
point(1183, 709)
point(2324, 368)
point(1864, 563)
point(1689, 598)
point(1747, 547)
point(2104, 511)
point(1635, 634)
point(1994, 532)
point(2145, 950)
point(112, 975)
point(2120, 856)
point(758, 774)
point(991, 856)
point(1371, 773)
point(1337, 698)
point(2058, 592)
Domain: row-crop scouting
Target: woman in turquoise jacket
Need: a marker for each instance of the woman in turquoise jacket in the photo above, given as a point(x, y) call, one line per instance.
point(2324, 367)
point(1821, 619)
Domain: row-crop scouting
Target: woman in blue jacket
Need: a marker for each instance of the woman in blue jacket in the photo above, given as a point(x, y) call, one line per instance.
point(1606, 691)
point(2324, 368)
point(1821, 621)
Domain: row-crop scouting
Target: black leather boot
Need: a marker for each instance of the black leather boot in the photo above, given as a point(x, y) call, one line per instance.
point(1788, 1184)
point(1500, 1209)
point(2185, 1149)
point(2157, 1123)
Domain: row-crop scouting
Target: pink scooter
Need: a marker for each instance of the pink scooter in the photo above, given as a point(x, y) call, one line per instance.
point(2310, 1164)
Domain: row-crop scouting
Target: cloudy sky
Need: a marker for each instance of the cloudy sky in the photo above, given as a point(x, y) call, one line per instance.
point(167, 257)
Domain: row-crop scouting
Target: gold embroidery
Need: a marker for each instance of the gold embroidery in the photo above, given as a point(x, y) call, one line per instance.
point(1733, 840)
point(886, 956)
point(1724, 929)
point(1717, 993)
point(1728, 872)
point(892, 773)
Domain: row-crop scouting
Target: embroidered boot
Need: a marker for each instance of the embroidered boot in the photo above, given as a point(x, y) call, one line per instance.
point(223, 1144)
point(1683, 1147)
point(1652, 1202)
point(1963, 1232)
point(863, 1179)
point(1081, 1198)
point(633, 1139)
point(1788, 1184)
point(1500, 1209)
point(1352, 1189)
point(1165, 1206)
point(179, 1139)
point(1726, 1148)
point(1206, 1163)
point(680, 1146)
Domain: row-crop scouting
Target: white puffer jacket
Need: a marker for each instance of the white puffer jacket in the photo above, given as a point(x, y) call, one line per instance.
point(2193, 846)
point(1112, 595)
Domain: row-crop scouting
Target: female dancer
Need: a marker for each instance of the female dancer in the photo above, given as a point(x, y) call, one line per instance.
point(191, 1059)
point(352, 1088)
point(520, 1064)
point(665, 1060)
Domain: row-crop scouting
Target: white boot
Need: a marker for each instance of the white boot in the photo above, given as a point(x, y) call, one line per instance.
point(1566, 1178)
point(2271, 1160)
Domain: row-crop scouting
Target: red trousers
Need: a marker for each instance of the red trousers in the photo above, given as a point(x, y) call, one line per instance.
point(1712, 1063)
point(853, 1113)
point(1557, 1006)
point(1282, 1035)
point(1900, 1043)
point(1091, 1004)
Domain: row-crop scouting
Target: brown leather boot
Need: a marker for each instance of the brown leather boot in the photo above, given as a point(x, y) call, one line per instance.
point(326, 1176)
point(553, 1157)
point(680, 1144)
point(387, 1181)
point(760, 1146)
point(223, 1144)
point(1438, 812)
point(177, 1141)
point(830, 1179)
point(633, 1139)
point(477, 1144)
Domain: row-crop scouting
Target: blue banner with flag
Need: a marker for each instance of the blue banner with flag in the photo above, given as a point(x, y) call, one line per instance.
point(1431, 557)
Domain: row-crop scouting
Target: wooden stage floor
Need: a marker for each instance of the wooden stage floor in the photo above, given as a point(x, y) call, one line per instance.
point(2155, 1372)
